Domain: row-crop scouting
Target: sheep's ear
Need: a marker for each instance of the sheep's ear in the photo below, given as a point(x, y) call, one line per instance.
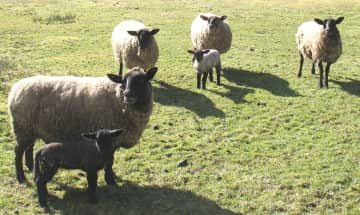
point(319, 21)
point(91, 135)
point(206, 51)
point(223, 17)
point(339, 20)
point(204, 17)
point(190, 51)
point(116, 132)
point(133, 33)
point(154, 31)
point(151, 73)
point(115, 78)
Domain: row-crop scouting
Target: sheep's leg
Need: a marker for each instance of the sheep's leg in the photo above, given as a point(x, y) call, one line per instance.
point(313, 68)
point(19, 152)
point(327, 71)
point(301, 64)
point(48, 171)
point(29, 159)
point(92, 184)
point(109, 173)
point(205, 74)
point(218, 71)
point(198, 76)
point(120, 69)
point(211, 75)
point(321, 69)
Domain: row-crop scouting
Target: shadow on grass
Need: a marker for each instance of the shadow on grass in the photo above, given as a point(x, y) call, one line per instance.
point(352, 87)
point(266, 81)
point(236, 94)
point(170, 95)
point(134, 199)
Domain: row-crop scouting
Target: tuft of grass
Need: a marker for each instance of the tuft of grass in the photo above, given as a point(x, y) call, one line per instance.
point(56, 19)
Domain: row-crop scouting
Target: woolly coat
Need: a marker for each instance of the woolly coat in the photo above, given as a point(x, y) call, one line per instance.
point(312, 42)
point(59, 109)
point(209, 61)
point(126, 47)
point(202, 38)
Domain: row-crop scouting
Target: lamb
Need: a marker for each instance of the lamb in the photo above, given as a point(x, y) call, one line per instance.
point(59, 109)
point(204, 61)
point(209, 31)
point(320, 41)
point(85, 155)
point(133, 44)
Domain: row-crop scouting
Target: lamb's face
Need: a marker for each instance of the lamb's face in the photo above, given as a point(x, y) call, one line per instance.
point(330, 25)
point(198, 54)
point(104, 138)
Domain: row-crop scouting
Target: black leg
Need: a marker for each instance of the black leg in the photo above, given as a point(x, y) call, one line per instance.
point(205, 74)
point(198, 76)
point(321, 69)
point(120, 68)
point(29, 160)
point(218, 72)
point(211, 75)
point(109, 173)
point(19, 152)
point(313, 68)
point(327, 71)
point(301, 64)
point(48, 171)
point(92, 184)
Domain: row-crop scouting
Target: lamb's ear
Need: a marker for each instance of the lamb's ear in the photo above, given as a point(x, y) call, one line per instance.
point(116, 132)
point(115, 78)
point(151, 73)
point(204, 17)
point(339, 20)
point(154, 31)
point(206, 51)
point(90, 135)
point(223, 17)
point(133, 33)
point(319, 21)
point(190, 51)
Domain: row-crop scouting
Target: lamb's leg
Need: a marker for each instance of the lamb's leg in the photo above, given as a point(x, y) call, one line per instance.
point(205, 74)
point(48, 170)
point(29, 159)
point(109, 173)
point(211, 75)
point(198, 76)
point(327, 71)
point(218, 72)
point(321, 69)
point(301, 64)
point(92, 184)
point(313, 68)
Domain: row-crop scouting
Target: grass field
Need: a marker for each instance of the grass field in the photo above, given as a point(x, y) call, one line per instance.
point(265, 142)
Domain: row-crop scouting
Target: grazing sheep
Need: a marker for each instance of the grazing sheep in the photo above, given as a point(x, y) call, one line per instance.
point(133, 44)
point(204, 61)
point(209, 31)
point(59, 109)
point(320, 41)
point(85, 155)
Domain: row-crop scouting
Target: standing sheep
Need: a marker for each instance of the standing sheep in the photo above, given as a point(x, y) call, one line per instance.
point(133, 44)
point(59, 109)
point(204, 61)
point(209, 31)
point(85, 155)
point(320, 41)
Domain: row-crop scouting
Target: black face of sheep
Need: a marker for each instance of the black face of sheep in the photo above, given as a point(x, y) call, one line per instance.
point(136, 85)
point(330, 25)
point(213, 20)
point(104, 138)
point(198, 54)
point(144, 36)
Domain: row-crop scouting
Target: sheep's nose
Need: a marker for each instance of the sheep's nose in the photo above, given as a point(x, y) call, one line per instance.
point(127, 93)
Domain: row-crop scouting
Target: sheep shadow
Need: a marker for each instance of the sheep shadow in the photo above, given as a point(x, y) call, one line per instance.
point(130, 198)
point(236, 94)
point(167, 94)
point(352, 87)
point(266, 81)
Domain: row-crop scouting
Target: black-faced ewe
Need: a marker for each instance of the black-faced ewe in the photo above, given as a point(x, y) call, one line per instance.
point(320, 41)
point(89, 156)
point(134, 44)
point(204, 62)
point(59, 109)
point(209, 31)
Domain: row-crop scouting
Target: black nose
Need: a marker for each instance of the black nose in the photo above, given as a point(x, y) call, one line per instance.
point(127, 93)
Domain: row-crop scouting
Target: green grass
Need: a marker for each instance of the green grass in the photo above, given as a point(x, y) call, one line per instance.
point(265, 142)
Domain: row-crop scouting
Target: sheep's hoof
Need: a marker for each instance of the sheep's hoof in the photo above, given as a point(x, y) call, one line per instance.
point(110, 178)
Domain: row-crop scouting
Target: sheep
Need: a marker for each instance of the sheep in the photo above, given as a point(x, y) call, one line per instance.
point(57, 109)
point(209, 31)
point(89, 156)
point(204, 61)
point(133, 44)
point(320, 41)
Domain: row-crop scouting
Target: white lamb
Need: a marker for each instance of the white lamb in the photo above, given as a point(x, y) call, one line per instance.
point(209, 31)
point(320, 41)
point(133, 44)
point(204, 61)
